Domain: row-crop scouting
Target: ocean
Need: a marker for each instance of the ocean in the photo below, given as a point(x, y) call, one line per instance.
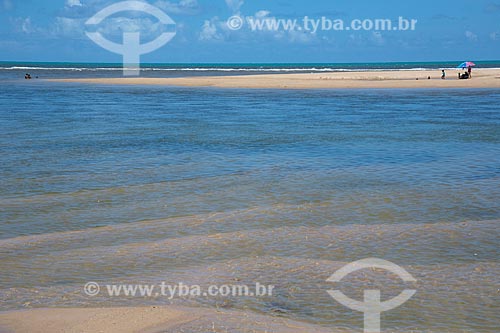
point(15, 70)
point(141, 185)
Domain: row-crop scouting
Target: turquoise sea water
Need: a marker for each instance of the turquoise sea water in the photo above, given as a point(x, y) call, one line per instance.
point(204, 186)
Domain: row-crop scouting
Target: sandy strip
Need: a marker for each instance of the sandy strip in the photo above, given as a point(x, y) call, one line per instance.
point(144, 320)
point(482, 78)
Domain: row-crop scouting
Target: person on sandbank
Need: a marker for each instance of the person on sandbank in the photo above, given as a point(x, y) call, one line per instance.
point(443, 75)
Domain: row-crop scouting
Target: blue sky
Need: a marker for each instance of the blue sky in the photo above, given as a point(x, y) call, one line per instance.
point(54, 30)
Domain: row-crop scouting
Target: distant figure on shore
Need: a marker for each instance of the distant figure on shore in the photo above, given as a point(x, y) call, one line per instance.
point(443, 75)
point(469, 71)
point(27, 76)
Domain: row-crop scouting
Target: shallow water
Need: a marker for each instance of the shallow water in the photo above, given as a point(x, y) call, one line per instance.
point(208, 186)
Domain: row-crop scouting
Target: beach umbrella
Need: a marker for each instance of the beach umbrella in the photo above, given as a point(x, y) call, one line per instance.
point(466, 64)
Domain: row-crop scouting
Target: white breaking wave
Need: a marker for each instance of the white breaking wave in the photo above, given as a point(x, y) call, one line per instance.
point(178, 69)
point(219, 69)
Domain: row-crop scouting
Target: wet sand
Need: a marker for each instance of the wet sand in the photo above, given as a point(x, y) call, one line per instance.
point(146, 320)
point(482, 78)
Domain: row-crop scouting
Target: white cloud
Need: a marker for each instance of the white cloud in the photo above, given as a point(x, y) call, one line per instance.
point(235, 5)
point(295, 36)
point(367, 39)
point(73, 3)
point(495, 36)
point(115, 27)
point(218, 30)
point(377, 38)
point(25, 25)
point(262, 13)
point(61, 26)
point(209, 31)
point(68, 27)
point(184, 7)
point(472, 37)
